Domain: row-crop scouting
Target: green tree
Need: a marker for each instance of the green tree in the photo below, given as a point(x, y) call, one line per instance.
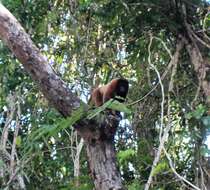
point(161, 47)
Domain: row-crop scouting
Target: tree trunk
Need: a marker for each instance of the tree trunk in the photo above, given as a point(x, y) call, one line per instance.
point(102, 162)
point(201, 65)
point(99, 140)
point(52, 86)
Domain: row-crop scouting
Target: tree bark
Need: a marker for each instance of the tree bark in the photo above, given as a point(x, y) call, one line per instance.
point(103, 165)
point(201, 65)
point(98, 137)
point(53, 88)
point(102, 157)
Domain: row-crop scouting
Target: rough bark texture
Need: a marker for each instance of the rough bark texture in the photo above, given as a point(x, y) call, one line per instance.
point(102, 164)
point(53, 88)
point(98, 138)
point(102, 157)
point(201, 65)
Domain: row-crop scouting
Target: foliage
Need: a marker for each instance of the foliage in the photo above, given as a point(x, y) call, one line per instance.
point(124, 156)
point(89, 42)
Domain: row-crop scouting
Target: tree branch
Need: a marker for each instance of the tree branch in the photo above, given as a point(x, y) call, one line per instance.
point(99, 138)
point(19, 42)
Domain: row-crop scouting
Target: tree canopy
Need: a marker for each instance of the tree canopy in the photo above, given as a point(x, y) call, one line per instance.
point(51, 139)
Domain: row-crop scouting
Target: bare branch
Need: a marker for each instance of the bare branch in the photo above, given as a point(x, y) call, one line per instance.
point(10, 115)
point(162, 140)
point(177, 174)
point(17, 127)
point(163, 137)
point(173, 63)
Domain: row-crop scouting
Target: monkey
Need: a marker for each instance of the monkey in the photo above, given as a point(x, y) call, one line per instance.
point(116, 89)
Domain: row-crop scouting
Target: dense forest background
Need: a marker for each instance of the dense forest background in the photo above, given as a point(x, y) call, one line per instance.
point(160, 46)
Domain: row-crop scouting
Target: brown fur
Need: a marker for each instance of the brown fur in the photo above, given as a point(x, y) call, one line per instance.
point(104, 93)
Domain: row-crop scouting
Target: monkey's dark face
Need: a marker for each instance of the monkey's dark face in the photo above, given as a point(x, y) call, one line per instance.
point(122, 89)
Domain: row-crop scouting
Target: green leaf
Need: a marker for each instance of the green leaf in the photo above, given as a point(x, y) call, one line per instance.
point(135, 185)
point(200, 110)
point(1, 163)
point(189, 115)
point(111, 104)
point(68, 122)
point(92, 113)
point(51, 130)
point(198, 113)
point(42, 131)
point(18, 141)
point(115, 105)
point(162, 166)
point(205, 151)
point(125, 155)
point(206, 121)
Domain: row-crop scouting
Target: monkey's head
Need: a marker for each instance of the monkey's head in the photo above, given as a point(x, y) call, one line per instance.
point(121, 89)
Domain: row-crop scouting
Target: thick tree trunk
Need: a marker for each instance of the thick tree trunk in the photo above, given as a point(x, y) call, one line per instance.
point(98, 139)
point(102, 157)
point(201, 65)
point(53, 88)
point(102, 162)
point(202, 68)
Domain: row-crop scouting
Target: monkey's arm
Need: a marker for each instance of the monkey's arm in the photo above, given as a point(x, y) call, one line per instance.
point(108, 91)
point(96, 97)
